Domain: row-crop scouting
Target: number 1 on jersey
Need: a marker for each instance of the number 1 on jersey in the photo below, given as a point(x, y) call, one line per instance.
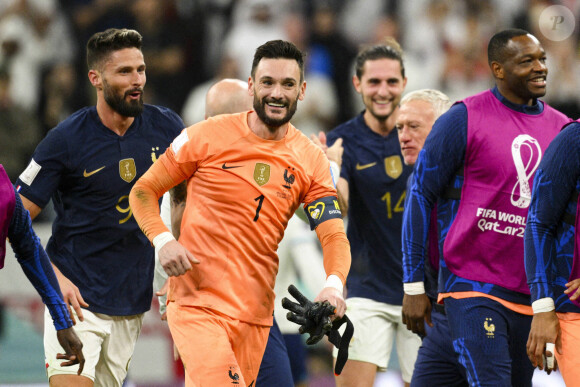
point(260, 200)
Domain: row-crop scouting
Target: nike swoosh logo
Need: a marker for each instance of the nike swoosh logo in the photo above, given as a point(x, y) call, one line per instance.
point(230, 167)
point(87, 174)
point(361, 167)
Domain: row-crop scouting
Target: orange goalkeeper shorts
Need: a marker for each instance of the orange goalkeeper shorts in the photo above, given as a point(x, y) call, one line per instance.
point(216, 349)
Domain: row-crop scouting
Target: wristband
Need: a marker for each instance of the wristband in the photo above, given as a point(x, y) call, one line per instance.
point(542, 305)
point(333, 281)
point(161, 240)
point(334, 171)
point(414, 288)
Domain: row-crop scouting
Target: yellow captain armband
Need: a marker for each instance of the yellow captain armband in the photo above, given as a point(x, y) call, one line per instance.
point(322, 210)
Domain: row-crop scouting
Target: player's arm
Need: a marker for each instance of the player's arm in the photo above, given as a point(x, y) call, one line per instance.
point(438, 161)
point(554, 182)
point(144, 201)
point(324, 216)
point(37, 268)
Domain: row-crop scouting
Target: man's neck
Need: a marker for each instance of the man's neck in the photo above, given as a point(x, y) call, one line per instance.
point(382, 127)
point(112, 120)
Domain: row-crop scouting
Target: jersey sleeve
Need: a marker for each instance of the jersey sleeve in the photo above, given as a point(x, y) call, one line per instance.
point(321, 201)
point(554, 183)
point(178, 163)
point(36, 265)
point(42, 176)
point(442, 155)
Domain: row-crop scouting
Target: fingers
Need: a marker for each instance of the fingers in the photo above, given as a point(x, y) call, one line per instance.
point(535, 353)
point(163, 291)
point(298, 319)
point(191, 258)
point(294, 292)
point(550, 354)
point(76, 302)
point(164, 316)
point(292, 306)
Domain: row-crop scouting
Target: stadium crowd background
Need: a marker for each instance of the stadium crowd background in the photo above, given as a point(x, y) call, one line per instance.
point(189, 44)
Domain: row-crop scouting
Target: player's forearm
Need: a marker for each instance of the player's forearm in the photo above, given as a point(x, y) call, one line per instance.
point(36, 266)
point(335, 248)
point(342, 191)
point(144, 198)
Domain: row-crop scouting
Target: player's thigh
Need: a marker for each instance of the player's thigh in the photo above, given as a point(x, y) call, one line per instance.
point(373, 336)
point(437, 364)
point(519, 330)
point(568, 363)
point(248, 343)
point(275, 367)
point(117, 349)
point(297, 353)
point(479, 329)
point(92, 332)
point(203, 342)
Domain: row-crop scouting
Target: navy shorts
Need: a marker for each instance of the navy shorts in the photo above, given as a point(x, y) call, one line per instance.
point(437, 364)
point(275, 368)
point(490, 340)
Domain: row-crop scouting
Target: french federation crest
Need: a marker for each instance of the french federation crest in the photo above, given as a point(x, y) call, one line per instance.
point(127, 170)
point(261, 173)
point(393, 166)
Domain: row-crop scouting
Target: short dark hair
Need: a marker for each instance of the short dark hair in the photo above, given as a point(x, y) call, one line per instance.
point(389, 50)
point(275, 49)
point(102, 44)
point(498, 42)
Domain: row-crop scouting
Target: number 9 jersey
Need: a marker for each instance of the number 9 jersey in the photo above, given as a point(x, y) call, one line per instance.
point(89, 171)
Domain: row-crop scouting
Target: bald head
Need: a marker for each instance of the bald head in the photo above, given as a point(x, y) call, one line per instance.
point(227, 96)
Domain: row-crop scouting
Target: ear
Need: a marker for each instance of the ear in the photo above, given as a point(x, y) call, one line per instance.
point(95, 78)
point(302, 91)
point(497, 70)
point(251, 86)
point(356, 83)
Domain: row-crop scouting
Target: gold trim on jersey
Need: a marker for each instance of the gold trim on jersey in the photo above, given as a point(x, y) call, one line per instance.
point(261, 173)
point(393, 166)
point(127, 170)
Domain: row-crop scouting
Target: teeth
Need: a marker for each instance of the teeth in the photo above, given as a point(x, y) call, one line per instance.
point(276, 104)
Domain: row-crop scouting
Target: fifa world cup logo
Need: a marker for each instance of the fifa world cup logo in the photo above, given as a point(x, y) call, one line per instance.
point(528, 145)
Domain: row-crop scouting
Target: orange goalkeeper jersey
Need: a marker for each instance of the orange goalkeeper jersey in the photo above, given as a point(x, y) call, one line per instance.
point(242, 190)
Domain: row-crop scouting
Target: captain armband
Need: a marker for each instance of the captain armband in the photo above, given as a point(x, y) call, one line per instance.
point(322, 210)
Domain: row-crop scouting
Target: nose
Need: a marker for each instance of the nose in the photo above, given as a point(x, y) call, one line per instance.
point(539, 66)
point(276, 91)
point(138, 78)
point(404, 134)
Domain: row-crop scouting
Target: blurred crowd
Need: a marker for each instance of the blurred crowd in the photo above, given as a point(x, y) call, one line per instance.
point(189, 44)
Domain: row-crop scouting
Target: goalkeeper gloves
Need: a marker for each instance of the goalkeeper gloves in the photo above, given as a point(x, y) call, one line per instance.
point(314, 319)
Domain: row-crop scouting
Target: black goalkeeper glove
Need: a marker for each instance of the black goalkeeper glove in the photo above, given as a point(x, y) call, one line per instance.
point(314, 319)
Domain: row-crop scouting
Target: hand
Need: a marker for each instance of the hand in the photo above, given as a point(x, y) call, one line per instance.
point(313, 317)
point(334, 298)
point(71, 296)
point(175, 259)
point(73, 348)
point(334, 153)
point(572, 286)
point(417, 310)
point(545, 329)
point(320, 141)
point(163, 294)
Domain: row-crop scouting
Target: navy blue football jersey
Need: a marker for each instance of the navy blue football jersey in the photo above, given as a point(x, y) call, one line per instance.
point(89, 170)
point(373, 166)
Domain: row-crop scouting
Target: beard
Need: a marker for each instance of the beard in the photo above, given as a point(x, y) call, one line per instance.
point(118, 102)
point(274, 123)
